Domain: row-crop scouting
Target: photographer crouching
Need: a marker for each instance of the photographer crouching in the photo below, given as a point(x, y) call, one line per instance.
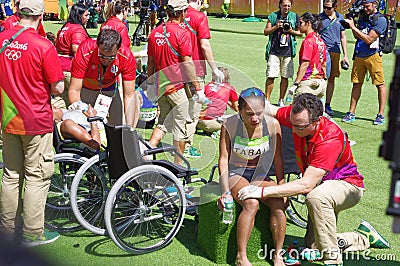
point(282, 27)
point(367, 57)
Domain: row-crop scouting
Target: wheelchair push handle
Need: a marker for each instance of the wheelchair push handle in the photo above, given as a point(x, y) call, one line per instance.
point(160, 150)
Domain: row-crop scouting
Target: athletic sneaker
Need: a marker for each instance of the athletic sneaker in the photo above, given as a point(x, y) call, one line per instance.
point(191, 152)
point(329, 110)
point(375, 239)
point(349, 117)
point(46, 238)
point(215, 134)
point(281, 103)
point(379, 120)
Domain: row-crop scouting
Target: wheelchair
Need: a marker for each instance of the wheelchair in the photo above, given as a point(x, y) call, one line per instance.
point(139, 203)
point(69, 157)
point(297, 209)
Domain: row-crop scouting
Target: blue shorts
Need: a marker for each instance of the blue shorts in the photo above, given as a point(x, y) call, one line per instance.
point(247, 173)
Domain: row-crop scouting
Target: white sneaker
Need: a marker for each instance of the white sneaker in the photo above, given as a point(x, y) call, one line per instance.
point(281, 103)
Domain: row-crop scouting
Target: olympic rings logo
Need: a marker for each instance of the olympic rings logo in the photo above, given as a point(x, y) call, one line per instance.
point(12, 54)
point(160, 42)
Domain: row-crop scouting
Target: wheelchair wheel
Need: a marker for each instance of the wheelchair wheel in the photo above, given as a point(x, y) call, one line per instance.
point(58, 212)
point(297, 210)
point(88, 196)
point(145, 209)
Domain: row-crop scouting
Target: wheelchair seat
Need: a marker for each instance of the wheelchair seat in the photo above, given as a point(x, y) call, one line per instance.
point(176, 169)
point(69, 145)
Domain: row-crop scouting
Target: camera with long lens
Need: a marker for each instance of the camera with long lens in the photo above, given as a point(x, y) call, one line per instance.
point(355, 12)
point(285, 24)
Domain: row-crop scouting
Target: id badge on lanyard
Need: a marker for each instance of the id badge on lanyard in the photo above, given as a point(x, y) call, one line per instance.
point(103, 102)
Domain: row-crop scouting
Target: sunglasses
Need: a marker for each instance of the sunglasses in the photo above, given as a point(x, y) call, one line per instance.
point(112, 57)
point(253, 91)
point(328, 7)
point(301, 128)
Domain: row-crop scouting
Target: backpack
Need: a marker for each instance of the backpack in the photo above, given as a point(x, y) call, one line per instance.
point(387, 39)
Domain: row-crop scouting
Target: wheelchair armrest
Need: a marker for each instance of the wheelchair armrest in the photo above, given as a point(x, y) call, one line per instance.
point(70, 141)
point(160, 150)
point(95, 118)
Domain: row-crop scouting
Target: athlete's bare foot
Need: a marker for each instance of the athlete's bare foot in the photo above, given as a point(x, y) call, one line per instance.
point(278, 260)
point(243, 261)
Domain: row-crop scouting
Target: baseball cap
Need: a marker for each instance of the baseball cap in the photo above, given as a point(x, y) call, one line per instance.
point(178, 4)
point(36, 7)
point(369, 1)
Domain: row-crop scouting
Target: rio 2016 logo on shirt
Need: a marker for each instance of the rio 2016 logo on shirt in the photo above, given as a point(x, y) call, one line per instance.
point(160, 42)
point(16, 45)
point(12, 54)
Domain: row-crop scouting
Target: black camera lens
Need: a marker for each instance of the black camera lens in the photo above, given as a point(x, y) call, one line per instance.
point(286, 26)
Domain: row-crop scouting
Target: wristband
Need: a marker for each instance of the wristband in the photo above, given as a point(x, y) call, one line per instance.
point(228, 192)
point(262, 192)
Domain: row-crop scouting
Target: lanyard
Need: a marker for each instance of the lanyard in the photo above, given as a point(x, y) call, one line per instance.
point(100, 78)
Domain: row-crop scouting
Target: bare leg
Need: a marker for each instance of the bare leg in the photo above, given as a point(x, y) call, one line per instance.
point(277, 222)
point(269, 86)
point(381, 98)
point(180, 146)
point(283, 87)
point(329, 90)
point(156, 137)
point(245, 222)
point(355, 96)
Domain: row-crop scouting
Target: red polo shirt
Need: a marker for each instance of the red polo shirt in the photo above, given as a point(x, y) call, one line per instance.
point(117, 24)
point(13, 20)
point(200, 30)
point(29, 65)
point(164, 58)
point(86, 65)
point(323, 150)
point(70, 34)
point(313, 49)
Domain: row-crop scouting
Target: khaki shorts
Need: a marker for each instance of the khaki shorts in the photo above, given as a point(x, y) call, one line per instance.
point(280, 65)
point(335, 69)
point(313, 86)
point(174, 115)
point(372, 64)
point(209, 126)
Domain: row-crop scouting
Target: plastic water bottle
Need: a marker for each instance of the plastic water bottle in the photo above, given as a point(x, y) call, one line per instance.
point(202, 100)
point(289, 98)
point(227, 215)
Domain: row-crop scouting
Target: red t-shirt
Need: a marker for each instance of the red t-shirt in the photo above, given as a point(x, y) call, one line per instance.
point(323, 150)
point(70, 34)
point(29, 65)
point(13, 20)
point(219, 94)
point(313, 49)
point(199, 23)
point(163, 56)
point(86, 64)
point(116, 24)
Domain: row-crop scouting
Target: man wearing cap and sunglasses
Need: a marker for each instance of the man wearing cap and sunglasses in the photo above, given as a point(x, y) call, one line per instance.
point(31, 72)
point(95, 70)
point(367, 58)
point(170, 67)
point(330, 180)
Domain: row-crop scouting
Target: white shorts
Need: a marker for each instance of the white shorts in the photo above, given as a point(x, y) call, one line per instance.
point(280, 64)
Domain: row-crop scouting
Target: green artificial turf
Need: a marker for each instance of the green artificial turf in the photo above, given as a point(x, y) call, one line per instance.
point(242, 46)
